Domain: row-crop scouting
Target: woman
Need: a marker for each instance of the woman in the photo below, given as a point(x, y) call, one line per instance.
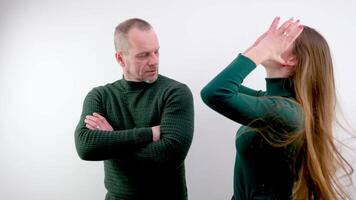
point(285, 148)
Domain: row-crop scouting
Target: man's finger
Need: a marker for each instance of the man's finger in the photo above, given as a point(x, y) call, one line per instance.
point(93, 118)
point(91, 122)
point(99, 116)
point(89, 127)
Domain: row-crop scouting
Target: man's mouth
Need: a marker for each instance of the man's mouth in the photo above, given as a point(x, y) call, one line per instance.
point(151, 71)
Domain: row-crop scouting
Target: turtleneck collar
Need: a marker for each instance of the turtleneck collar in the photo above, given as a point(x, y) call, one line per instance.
point(280, 87)
point(133, 85)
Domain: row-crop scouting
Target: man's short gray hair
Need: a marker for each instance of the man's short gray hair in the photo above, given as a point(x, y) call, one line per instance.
point(121, 31)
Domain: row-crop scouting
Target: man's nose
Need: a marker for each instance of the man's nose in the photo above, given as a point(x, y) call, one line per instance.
point(153, 59)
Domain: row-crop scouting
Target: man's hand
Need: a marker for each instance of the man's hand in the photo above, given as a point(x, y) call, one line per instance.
point(156, 133)
point(97, 122)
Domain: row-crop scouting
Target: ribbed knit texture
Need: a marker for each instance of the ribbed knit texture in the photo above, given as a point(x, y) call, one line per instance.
point(135, 166)
point(261, 170)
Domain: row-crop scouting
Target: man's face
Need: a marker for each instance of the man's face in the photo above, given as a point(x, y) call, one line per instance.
point(140, 62)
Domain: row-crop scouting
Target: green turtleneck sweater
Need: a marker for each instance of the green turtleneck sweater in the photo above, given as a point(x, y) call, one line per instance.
point(135, 166)
point(262, 171)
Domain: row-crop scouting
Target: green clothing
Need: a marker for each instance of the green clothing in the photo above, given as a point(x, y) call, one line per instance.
point(261, 170)
point(135, 166)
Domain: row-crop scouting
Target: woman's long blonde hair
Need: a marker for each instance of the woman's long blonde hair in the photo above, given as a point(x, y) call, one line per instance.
point(318, 157)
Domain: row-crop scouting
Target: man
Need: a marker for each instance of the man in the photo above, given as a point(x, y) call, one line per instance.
point(141, 126)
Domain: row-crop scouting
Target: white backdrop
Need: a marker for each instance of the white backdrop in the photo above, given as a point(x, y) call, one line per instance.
point(54, 52)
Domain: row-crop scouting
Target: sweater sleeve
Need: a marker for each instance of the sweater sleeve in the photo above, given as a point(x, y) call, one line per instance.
point(227, 96)
point(251, 92)
point(102, 145)
point(177, 126)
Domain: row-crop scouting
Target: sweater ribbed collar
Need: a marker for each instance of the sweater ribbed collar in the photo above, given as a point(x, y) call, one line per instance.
point(280, 87)
point(133, 85)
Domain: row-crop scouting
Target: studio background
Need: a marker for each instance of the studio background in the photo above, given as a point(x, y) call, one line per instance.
point(54, 52)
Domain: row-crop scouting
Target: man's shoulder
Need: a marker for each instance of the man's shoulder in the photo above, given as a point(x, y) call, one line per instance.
point(170, 87)
point(106, 88)
point(169, 82)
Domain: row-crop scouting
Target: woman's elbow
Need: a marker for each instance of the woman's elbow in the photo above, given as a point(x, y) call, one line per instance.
point(212, 96)
point(207, 95)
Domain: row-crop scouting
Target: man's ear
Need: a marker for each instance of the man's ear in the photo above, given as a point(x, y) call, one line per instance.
point(119, 59)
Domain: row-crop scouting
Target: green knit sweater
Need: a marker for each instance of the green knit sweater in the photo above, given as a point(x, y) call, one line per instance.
point(261, 170)
point(135, 166)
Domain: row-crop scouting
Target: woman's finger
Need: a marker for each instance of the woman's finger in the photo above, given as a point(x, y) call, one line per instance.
point(295, 31)
point(274, 24)
point(282, 29)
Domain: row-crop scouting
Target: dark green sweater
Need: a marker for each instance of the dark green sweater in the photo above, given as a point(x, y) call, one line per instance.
point(261, 170)
point(135, 166)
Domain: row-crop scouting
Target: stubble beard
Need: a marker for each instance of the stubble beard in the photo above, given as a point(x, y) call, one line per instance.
point(154, 78)
point(151, 80)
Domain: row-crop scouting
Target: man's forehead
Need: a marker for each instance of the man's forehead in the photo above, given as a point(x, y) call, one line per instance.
point(137, 35)
point(145, 40)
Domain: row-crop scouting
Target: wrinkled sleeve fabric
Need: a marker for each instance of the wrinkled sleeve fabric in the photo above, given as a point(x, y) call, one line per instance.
point(226, 95)
point(177, 127)
point(98, 145)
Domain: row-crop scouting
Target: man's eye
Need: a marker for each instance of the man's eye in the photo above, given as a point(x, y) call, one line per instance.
point(142, 55)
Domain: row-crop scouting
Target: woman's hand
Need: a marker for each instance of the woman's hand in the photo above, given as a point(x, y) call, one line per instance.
point(270, 45)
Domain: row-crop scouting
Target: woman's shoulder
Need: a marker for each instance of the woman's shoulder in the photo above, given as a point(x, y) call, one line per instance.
point(286, 113)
